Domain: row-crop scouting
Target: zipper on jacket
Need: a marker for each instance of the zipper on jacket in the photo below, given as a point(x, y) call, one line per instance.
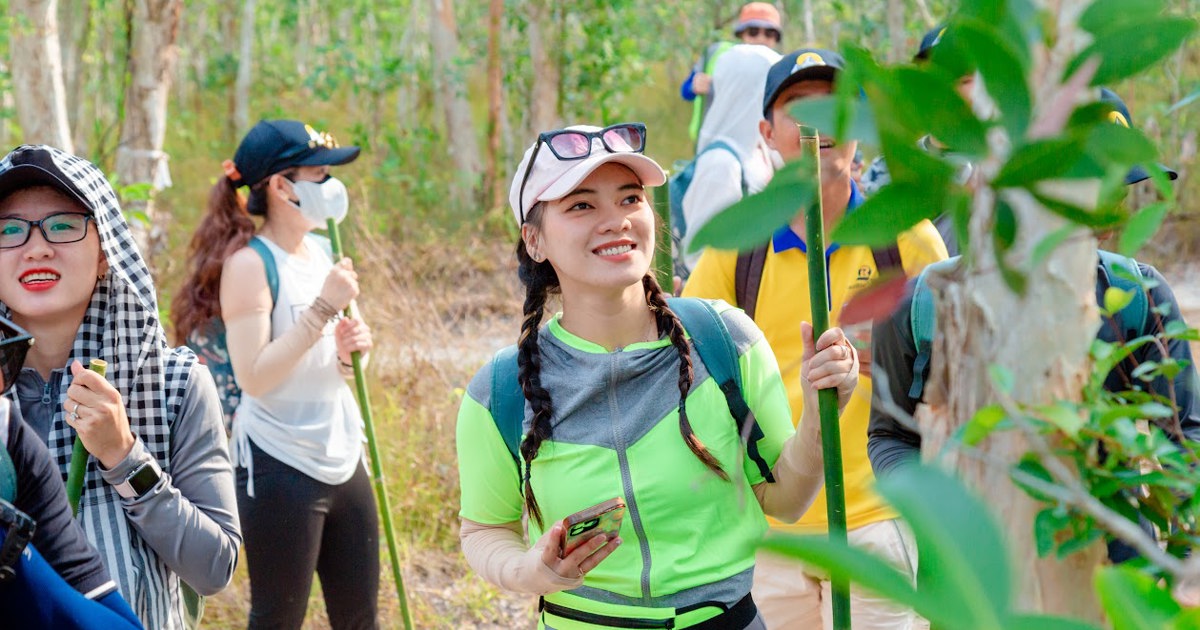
point(46, 392)
point(627, 479)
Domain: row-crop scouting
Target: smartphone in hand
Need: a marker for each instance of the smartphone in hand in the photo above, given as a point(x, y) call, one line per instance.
point(582, 526)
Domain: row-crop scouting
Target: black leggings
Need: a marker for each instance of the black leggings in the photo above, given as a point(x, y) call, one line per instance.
point(294, 525)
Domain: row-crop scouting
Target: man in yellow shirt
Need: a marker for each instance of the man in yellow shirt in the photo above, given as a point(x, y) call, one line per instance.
point(778, 299)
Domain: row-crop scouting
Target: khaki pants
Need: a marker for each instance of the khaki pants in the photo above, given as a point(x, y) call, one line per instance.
point(791, 598)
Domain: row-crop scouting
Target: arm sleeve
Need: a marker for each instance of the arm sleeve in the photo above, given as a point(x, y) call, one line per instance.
point(1184, 388)
point(487, 475)
point(499, 555)
point(43, 497)
point(890, 444)
point(685, 89)
point(190, 517)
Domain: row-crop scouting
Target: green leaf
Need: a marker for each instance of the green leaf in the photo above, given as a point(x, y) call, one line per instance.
point(941, 111)
point(1002, 378)
point(1064, 416)
point(826, 112)
point(1101, 218)
point(1046, 622)
point(1118, 144)
point(841, 560)
point(1046, 525)
point(1131, 47)
point(1006, 226)
point(1103, 16)
point(1134, 600)
point(751, 221)
point(1015, 279)
point(1041, 159)
point(1141, 227)
point(964, 564)
point(1003, 69)
point(886, 214)
point(982, 424)
point(1047, 245)
point(1116, 299)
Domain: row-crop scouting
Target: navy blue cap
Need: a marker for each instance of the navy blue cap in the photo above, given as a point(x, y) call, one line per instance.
point(1121, 116)
point(273, 145)
point(805, 64)
point(930, 40)
point(33, 165)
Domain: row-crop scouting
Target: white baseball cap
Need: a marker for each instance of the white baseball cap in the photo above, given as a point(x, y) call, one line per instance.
point(552, 178)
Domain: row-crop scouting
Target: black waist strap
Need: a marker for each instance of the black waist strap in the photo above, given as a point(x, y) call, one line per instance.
point(735, 617)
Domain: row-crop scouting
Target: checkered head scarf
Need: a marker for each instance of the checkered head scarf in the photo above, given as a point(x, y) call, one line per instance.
point(122, 327)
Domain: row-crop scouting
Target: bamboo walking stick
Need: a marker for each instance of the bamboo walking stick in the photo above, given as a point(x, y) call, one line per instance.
point(364, 404)
point(79, 454)
point(831, 439)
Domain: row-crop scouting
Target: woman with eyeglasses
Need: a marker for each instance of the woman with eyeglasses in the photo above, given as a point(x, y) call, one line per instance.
point(305, 500)
point(157, 498)
point(616, 398)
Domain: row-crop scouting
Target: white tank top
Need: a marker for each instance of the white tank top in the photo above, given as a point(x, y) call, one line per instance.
point(310, 421)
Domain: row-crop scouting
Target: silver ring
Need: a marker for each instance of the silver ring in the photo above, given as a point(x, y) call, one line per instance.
point(75, 411)
point(75, 416)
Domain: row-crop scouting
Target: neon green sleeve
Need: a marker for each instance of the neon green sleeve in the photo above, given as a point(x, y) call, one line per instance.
point(764, 391)
point(487, 475)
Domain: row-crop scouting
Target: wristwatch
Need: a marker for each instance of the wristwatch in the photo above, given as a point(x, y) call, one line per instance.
point(140, 480)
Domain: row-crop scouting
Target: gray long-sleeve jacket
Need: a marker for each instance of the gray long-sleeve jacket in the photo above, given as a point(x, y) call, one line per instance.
point(190, 517)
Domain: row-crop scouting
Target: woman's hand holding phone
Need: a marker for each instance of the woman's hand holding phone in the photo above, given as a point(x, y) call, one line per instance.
point(582, 559)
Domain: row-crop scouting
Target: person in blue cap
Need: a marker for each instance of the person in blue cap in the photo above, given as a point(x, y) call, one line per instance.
point(904, 363)
point(303, 492)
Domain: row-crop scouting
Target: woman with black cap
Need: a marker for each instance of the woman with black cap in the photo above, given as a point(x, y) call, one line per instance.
point(157, 497)
point(303, 494)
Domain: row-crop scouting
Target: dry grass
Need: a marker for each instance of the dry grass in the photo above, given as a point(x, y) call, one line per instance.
point(438, 309)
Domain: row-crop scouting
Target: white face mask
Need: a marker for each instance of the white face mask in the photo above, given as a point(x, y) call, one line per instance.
point(321, 201)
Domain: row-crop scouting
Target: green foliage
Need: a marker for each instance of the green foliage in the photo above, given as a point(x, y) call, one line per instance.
point(753, 219)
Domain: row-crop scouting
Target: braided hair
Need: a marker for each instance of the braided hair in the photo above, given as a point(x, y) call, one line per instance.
point(540, 281)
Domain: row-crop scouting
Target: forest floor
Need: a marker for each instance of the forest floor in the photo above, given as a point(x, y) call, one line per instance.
point(435, 326)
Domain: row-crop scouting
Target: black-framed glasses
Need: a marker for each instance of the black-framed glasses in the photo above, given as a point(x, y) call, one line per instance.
point(576, 144)
point(62, 227)
point(14, 345)
point(754, 31)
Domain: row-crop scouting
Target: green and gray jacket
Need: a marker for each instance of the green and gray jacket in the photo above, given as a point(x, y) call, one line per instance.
point(689, 536)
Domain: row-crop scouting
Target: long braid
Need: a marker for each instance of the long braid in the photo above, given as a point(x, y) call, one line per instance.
point(539, 280)
point(669, 323)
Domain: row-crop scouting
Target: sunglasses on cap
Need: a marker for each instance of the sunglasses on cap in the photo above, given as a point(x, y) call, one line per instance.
point(755, 31)
point(14, 345)
point(576, 144)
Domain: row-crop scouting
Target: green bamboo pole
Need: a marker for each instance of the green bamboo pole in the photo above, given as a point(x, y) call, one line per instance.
point(664, 267)
point(831, 439)
point(364, 404)
point(79, 454)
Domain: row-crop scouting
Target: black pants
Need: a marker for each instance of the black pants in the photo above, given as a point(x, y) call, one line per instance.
point(294, 525)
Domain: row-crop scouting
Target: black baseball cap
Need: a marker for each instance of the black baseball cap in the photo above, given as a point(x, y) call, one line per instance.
point(931, 39)
point(273, 145)
point(33, 165)
point(802, 65)
point(1121, 116)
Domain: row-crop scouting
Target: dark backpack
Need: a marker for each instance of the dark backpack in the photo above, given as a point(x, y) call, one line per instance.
point(709, 336)
point(1121, 272)
point(747, 273)
point(676, 189)
point(209, 343)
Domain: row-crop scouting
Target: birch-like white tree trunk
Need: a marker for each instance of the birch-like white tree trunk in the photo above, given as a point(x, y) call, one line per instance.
point(140, 158)
point(544, 111)
point(896, 31)
point(494, 187)
point(1041, 338)
point(37, 74)
point(245, 73)
point(460, 143)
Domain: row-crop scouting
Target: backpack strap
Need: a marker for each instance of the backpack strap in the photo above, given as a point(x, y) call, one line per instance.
point(887, 258)
point(922, 318)
point(264, 252)
point(8, 472)
point(747, 278)
point(507, 404)
point(1124, 273)
point(711, 339)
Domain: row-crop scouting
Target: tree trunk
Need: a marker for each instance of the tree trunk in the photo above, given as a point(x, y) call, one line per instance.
point(495, 177)
point(37, 73)
point(241, 88)
point(140, 159)
point(460, 130)
point(897, 51)
point(544, 112)
point(1041, 338)
point(810, 32)
point(76, 17)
